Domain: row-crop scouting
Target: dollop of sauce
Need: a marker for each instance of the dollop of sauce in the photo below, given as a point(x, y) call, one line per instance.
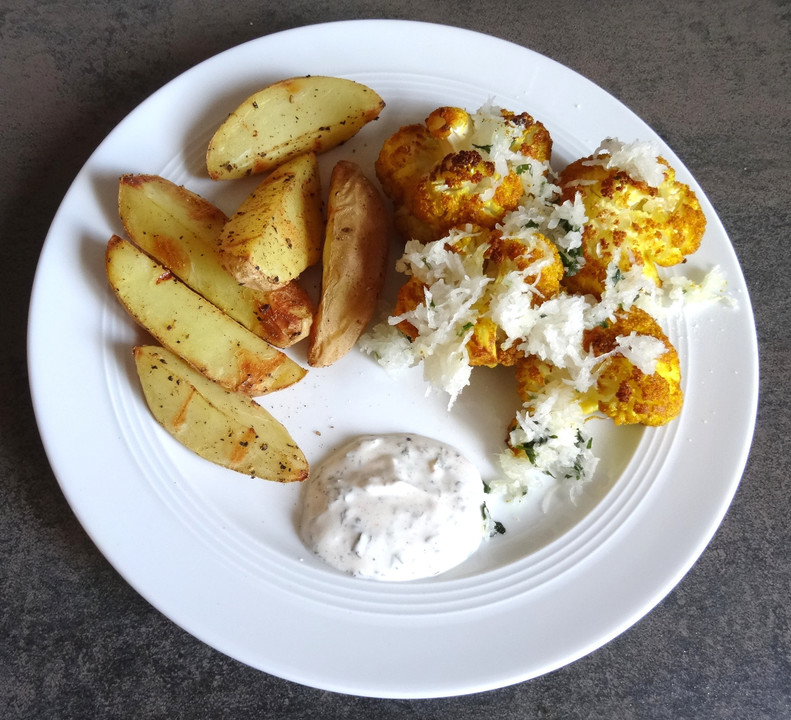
point(394, 507)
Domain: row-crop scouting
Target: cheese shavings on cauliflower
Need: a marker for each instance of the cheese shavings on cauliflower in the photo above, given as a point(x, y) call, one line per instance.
point(548, 442)
point(638, 213)
point(639, 159)
point(459, 167)
point(560, 276)
point(444, 321)
point(452, 285)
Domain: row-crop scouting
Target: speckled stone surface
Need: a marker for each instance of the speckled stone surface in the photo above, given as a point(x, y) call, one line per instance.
point(712, 78)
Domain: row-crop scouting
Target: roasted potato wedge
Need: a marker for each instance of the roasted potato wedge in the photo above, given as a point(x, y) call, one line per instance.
point(278, 229)
point(221, 426)
point(288, 118)
point(353, 264)
point(180, 229)
point(193, 328)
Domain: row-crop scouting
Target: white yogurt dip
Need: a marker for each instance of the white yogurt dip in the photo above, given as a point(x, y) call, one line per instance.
point(394, 507)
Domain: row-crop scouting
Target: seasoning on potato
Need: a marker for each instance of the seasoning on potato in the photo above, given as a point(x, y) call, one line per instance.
point(216, 290)
point(180, 229)
point(189, 325)
point(277, 231)
point(221, 426)
point(353, 264)
point(289, 118)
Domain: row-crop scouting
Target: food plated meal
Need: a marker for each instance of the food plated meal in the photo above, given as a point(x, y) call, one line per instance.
point(508, 262)
point(218, 552)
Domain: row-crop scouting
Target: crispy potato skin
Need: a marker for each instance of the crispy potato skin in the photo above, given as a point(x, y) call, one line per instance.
point(187, 324)
point(277, 231)
point(354, 264)
point(180, 229)
point(289, 118)
point(284, 315)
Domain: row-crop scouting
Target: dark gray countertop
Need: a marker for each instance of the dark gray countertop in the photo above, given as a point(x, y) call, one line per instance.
point(712, 78)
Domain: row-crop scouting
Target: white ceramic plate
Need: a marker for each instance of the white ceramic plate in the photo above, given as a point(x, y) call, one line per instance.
point(217, 552)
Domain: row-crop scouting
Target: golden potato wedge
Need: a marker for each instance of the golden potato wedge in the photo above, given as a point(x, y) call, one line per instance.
point(192, 327)
point(277, 231)
point(180, 229)
point(289, 118)
point(354, 262)
point(221, 426)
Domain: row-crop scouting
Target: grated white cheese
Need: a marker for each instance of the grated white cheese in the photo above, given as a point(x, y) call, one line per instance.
point(552, 433)
point(493, 137)
point(389, 346)
point(633, 288)
point(551, 425)
point(639, 159)
point(553, 330)
point(444, 320)
point(571, 217)
point(643, 351)
point(680, 290)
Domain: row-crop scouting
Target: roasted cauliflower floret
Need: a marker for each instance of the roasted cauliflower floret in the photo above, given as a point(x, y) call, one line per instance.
point(494, 133)
point(549, 431)
point(483, 347)
point(460, 168)
point(464, 188)
point(623, 391)
point(406, 158)
point(533, 256)
point(532, 140)
point(630, 222)
point(450, 123)
point(532, 375)
point(538, 258)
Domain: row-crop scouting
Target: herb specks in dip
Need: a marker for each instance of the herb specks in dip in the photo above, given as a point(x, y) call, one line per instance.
point(394, 507)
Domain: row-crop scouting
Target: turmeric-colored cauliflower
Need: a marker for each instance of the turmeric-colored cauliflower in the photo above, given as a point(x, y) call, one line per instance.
point(406, 158)
point(449, 123)
point(459, 168)
point(510, 264)
point(630, 221)
point(531, 255)
point(507, 253)
point(532, 140)
point(532, 375)
point(520, 134)
point(464, 188)
point(624, 392)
